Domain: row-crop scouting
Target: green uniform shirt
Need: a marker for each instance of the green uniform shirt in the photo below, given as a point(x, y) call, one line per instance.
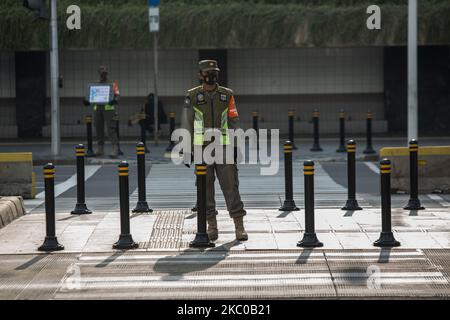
point(203, 110)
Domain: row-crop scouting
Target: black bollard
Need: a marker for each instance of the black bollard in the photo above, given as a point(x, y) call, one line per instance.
point(316, 145)
point(256, 127)
point(142, 123)
point(341, 147)
point(120, 152)
point(172, 129)
point(291, 115)
point(352, 203)
point(201, 238)
point(289, 204)
point(90, 150)
point(80, 207)
point(125, 239)
point(369, 148)
point(50, 242)
point(142, 205)
point(414, 202)
point(309, 237)
point(386, 237)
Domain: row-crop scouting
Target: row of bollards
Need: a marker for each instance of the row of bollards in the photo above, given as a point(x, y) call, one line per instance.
point(386, 237)
point(89, 135)
point(125, 239)
point(315, 120)
point(201, 239)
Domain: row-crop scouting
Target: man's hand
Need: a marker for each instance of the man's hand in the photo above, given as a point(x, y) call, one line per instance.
point(85, 102)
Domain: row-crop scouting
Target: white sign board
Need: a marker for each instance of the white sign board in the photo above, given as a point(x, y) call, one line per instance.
point(99, 94)
point(153, 19)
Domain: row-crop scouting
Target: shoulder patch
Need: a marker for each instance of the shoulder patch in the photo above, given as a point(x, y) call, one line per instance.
point(223, 97)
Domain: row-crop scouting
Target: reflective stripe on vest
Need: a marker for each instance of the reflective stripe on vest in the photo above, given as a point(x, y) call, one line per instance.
point(108, 107)
point(199, 127)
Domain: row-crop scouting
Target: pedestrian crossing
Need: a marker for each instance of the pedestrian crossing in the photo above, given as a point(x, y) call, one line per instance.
point(173, 187)
point(170, 186)
point(269, 274)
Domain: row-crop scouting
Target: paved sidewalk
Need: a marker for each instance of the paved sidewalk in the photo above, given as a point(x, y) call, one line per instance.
point(172, 230)
point(268, 265)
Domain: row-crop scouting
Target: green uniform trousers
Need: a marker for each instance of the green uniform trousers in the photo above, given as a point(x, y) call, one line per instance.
point(101, 116)
point(229, 183)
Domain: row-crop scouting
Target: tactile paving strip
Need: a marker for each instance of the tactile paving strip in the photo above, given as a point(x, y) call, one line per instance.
point(167, 230)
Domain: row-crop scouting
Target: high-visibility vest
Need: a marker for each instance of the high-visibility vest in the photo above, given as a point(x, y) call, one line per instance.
point(199, 128)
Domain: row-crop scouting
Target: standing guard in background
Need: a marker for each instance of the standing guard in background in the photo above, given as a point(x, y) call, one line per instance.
point(106, 114)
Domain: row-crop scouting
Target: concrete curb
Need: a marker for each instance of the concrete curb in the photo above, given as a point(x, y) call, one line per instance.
point(11, 208)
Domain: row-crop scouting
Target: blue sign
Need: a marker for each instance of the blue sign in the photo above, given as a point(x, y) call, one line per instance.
point(153, 3)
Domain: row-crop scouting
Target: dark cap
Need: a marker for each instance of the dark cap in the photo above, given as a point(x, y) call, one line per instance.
point(207, 65)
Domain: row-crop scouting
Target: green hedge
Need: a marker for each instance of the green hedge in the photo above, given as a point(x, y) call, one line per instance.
point(225, 24)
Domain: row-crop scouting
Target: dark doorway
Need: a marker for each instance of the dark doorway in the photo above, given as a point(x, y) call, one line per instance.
point(221, 57)
point(30, 93)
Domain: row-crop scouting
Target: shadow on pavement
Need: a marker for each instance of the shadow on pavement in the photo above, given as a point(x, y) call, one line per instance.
point(192, 261)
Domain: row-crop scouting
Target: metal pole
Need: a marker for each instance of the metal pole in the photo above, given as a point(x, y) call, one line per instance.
point(80, 207)
point(289, 203)
point(90, 150)
point(352, 203)
point(412, 71)
point(291, 128)
point(309, 237)
point(142, 205)
point(50, 242)
point(54, 76)
point(316, 145)
point(369, 149)
point(125, 239)
point(386, 238)
point(414, 202)
point(155, 103)
point(201, 239)
point(341, 147)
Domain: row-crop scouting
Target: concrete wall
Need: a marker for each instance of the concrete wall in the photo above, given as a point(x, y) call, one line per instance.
point(271, 81)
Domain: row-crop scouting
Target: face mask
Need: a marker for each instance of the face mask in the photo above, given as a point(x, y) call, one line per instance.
point(211, 78)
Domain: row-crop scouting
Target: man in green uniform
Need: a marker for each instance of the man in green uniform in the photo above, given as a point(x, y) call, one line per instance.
point(212, 106)
point(107, 114)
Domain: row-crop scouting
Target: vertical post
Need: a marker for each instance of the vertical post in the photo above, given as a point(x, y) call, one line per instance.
point(50, 242)
point(386, 238)
point(201, 238)
point(412, 71)
point(172, 129)
point(256, 127)
point(54, 76)
point(142, 205)
point(309, 237)
point(291, 115)
point(414, 202)
point(289, 203)
point(80, 207)
point(120, 152)
point(125, 239)
point(341, 147)
point(90, 150)
point(352, 203)
point(369, 148)
point(155, 97)
point(316, 145)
